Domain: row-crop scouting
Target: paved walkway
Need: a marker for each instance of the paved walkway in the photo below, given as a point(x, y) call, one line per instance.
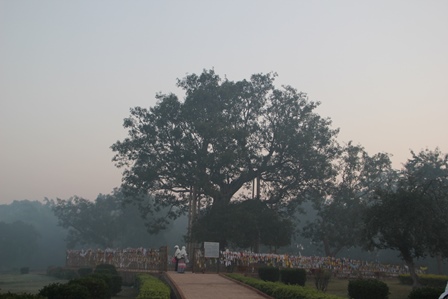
point(210, 286)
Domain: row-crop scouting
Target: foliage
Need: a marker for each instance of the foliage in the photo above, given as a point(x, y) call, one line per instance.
point(245, 224)
point(425, 293)
point(45, 242)
point(62, 273)
point(280, 290)
point(10, 295)
point(220, 138)
point(65, 291)
point(151, 287)
point(110, 275)
point(368, 289)
point(106, 268)
point(411, 216)
point(24, 270)
point(269, 273)
point(342, 199)
point(84, 271)
point(428, 280)
point(293, 276)
point(103, 283)
point(88, 222)
point(97, 286)
point(110, 221)
point(18, 243)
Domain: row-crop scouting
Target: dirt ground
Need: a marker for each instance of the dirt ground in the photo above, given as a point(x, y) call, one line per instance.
point(31, 283)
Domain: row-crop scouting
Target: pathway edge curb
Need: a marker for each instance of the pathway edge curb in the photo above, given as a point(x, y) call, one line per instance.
point(174, 285)
point(247, 286)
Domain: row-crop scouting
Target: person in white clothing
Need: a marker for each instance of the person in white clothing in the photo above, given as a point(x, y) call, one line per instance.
point(183, 254)
point(177, 257)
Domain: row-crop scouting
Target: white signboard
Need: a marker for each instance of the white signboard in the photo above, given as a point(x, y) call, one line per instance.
point(211, 249)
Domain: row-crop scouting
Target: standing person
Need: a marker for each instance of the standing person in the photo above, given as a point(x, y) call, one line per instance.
point(183, 258)
point(183, 254)
point(177, 257)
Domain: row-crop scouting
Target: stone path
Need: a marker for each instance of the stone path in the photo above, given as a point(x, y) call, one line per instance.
point(210, 286)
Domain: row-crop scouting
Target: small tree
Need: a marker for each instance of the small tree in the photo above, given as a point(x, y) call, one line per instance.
point(411, 216)
point(341, 200)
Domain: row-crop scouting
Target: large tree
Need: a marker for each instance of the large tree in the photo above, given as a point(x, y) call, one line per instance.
point(341, 200)
point(411, 217)
point(222, 136)
point(244, 225)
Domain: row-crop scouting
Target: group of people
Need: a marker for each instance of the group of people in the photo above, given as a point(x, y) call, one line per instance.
point(180, 257)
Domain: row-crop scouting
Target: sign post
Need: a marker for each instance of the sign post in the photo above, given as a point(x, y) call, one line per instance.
point(211, 250)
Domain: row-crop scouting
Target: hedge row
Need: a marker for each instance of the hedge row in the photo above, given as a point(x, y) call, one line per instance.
point(287, 275)
point(150, 287)
point(280, 290)
point(425, 293)
point(10, 295)
point(427, 280)
point(101, 283)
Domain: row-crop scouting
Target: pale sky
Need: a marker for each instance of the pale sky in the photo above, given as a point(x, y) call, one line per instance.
point(71, 70)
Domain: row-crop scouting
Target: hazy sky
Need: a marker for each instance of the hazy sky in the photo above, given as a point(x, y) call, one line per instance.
point(71, 70)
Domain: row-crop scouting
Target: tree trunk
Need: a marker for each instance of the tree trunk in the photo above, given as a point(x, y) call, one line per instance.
point(326, 247)
point(410, 263)
point(439, 264)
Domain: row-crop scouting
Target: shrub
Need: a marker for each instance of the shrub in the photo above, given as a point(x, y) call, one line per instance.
point(113, 282)
point(64, 291)
point(269, 273)
point(293, 276)
point(106, 268)
point(426, 293)
point(322, 279)
point(405, 279)
point(433, 280)
point(84, 271)
point(150, 287)
point(280, 290)
point(10, 295)
point(62, 273)
point(427, 280)
point(24, 270)
point(368, 289)
point(111, 277)
point(97, 287)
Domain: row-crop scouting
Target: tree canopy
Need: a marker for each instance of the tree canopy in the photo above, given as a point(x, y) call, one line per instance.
point(410, 217)
point(109, 221)
point(341, 200)
point(244, 224)
point(222, 136)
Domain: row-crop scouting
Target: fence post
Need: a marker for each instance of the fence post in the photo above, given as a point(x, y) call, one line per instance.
point(163, 258)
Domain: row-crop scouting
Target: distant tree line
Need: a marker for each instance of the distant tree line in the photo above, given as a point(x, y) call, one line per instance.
point(36, 234)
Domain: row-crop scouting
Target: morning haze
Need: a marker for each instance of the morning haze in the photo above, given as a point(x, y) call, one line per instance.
point(70, 71)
